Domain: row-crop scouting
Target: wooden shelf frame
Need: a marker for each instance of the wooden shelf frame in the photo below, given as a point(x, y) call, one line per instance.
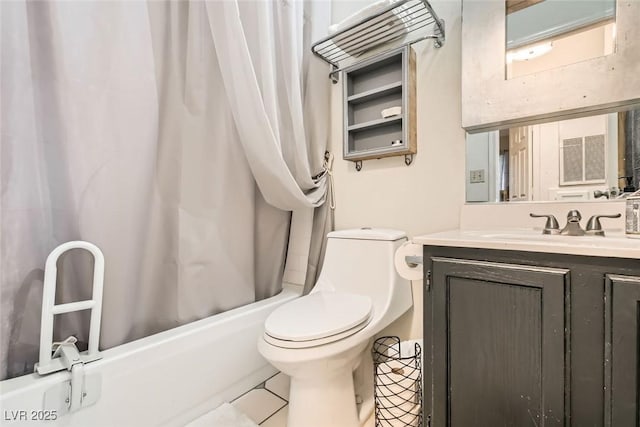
point(370, 86)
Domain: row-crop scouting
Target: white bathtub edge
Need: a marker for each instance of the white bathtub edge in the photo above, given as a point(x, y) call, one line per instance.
point(168, 378)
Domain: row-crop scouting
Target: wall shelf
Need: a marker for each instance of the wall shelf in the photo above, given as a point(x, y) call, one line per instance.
point(401, 21)
point(375, 93)
point(373, 85)
point(373, 124)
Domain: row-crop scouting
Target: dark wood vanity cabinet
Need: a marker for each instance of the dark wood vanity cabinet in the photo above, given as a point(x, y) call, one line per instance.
point(622, 322)
point(530, 339)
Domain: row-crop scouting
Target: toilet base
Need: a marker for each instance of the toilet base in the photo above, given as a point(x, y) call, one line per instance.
point(323, 402)
point(322, 392)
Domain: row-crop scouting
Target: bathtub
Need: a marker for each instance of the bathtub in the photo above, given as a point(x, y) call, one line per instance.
point(166, 379)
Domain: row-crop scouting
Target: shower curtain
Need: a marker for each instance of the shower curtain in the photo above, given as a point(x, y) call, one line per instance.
point(120, 126)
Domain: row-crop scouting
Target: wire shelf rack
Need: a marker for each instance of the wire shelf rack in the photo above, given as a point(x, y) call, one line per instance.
point(402, 19)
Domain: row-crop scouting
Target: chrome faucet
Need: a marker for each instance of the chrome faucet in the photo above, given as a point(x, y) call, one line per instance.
point(594, 227)
point(609, 193)
point(573, 224)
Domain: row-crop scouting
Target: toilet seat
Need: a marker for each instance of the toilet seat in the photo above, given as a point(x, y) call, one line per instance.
point(318, 318)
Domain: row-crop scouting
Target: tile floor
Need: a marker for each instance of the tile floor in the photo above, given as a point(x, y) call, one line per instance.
point(267, 404)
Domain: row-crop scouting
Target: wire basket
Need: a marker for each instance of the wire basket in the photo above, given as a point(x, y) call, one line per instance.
point(397, 383)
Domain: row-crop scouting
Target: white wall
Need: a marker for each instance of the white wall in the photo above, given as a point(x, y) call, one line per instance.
point(482, 152)
point(426, 196)
point(546, 161)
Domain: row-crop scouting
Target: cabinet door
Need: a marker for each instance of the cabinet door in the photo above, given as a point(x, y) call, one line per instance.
point(497, 344)
point(623, 326)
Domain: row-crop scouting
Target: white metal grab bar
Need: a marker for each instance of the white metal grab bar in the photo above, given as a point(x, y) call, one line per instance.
point(73, 306)
point(49, 309)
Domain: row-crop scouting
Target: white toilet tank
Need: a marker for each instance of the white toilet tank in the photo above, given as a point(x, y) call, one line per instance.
point(360, 261)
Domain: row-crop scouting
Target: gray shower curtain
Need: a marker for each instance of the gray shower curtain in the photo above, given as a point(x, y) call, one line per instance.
point(631, 146)
point(117, 129)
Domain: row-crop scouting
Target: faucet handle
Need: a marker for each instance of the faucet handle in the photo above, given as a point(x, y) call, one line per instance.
point(551, 226)
point(599, 193)
point(594, 227)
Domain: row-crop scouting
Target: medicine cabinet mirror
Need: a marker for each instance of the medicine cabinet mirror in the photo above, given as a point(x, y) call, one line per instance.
point(589, 158)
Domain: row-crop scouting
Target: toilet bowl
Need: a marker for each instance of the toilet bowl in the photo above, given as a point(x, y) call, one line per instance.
point(319, 339)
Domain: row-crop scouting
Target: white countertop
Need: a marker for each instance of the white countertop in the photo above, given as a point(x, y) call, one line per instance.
point(513, 239)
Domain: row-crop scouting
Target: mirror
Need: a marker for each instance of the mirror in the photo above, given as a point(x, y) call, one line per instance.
point(546, 34)
point(579, 159)
point(600, 85)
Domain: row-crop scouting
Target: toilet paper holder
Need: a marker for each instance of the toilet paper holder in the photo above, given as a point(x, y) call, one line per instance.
point(413, 260)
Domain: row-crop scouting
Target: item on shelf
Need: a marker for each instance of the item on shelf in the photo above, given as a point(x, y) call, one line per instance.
point(390, 112)
point(387, 22)
point(397, 20)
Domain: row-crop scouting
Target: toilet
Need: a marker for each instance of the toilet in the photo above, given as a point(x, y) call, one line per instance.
point(319, 339)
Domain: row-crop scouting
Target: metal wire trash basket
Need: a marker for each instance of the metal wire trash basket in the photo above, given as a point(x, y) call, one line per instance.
point(397, 383)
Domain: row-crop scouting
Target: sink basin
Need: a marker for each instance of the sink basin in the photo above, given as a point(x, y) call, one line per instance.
point(612, 245)
point(555, 239)
point(534, 236)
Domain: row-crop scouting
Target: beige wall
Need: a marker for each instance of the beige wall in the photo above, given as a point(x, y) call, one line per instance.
point(574, 48)
point(426, 196)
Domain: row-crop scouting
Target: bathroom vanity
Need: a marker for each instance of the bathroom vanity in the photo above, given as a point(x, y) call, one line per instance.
point(523, 329)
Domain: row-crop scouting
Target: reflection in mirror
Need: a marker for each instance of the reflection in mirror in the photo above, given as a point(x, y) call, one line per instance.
point(546, 34)
point(595, 157)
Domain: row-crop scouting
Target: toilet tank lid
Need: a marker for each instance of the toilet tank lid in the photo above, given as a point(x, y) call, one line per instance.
point(368, 233)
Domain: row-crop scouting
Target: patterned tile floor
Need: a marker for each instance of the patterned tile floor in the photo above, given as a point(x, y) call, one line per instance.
point(267, 404)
